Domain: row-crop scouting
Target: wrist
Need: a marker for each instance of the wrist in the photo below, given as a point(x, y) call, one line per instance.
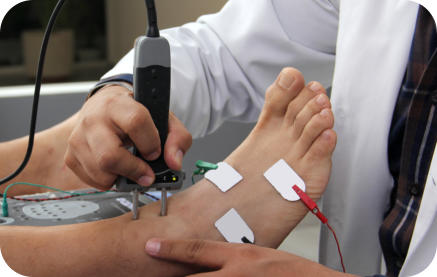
point(123, 80)
point(102, 86)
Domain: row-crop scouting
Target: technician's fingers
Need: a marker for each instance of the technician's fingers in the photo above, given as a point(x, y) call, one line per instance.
point(113, 159)
point(78, 157)
point(77, 168)
point(198, 252)
point(178, 142)
point(133, 168)
point(84, 162)
point(136, 122)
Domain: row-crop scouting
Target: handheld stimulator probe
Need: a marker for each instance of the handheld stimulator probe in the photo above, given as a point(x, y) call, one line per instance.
point(152, 89)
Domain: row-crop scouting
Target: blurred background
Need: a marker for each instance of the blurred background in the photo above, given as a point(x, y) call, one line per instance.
point(91, 36)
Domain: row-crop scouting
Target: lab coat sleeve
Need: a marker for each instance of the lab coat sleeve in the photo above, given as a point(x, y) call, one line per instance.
point(223, 63)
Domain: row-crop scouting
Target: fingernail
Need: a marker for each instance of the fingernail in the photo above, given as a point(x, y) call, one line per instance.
point(145, 181)
point(285, 80)
point(321, 100)
point(153, 246)
point(179, 156)
point(153, 156)
point(315, 86)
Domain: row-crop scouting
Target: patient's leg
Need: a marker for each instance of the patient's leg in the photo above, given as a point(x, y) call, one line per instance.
point(295, 124)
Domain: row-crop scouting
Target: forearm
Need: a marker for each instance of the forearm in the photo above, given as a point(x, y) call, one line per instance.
point(72, 250)
point(113, 247)
point(46, 165)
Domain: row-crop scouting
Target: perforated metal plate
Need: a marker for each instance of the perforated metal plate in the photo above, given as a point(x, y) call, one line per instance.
point(91, 207)
point(62, 210)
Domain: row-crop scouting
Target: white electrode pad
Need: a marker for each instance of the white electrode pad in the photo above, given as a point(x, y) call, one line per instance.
point(234, 228)
point(283, 178)
point(224, 177)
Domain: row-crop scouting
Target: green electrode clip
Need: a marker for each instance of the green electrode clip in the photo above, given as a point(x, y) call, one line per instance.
point(202, 168)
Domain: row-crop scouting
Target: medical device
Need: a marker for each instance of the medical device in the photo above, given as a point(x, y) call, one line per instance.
point(224, 176)
point(61, 208)
point(234, 229)
point(231, 225)
point(280, 176)
point(152, 75)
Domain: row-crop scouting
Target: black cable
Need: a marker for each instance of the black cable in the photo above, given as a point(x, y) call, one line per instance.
point(152, 30)
point(36, 92)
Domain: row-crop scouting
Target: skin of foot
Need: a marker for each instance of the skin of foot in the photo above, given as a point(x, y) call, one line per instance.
point(295, 124)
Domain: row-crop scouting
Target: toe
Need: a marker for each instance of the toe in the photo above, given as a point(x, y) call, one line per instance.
point(313, 107)
point(323, 146)
point(288, 84)
point(318, 159)
point(313, 129)
point(299, 102)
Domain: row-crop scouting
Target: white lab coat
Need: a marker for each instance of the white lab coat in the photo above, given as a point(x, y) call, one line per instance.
point(222, 64)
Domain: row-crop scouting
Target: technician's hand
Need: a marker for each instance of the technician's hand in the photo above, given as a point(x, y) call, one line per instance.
point(230, 259)
point(110, 121)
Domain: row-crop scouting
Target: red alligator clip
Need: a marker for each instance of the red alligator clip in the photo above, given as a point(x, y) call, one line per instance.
point(311, 205)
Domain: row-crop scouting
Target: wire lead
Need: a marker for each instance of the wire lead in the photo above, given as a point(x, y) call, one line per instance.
point(36, 94)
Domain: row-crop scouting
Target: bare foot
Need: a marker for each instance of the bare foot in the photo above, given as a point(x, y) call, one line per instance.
point(295, 124)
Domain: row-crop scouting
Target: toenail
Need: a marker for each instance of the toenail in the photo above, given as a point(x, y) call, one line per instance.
point(326, 135)
point(324, 113)
point(315, 86)
point(321, 100)
point(285, 80)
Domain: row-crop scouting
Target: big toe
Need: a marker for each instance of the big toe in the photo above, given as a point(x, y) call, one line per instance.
point(286, 87)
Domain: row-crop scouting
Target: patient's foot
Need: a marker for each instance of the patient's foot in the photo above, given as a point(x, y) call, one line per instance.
point(296, 125)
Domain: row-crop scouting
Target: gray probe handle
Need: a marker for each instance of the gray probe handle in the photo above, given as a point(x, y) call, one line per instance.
point(152, 89)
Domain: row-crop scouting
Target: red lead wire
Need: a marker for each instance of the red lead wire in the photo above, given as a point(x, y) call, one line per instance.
point(312, 206)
